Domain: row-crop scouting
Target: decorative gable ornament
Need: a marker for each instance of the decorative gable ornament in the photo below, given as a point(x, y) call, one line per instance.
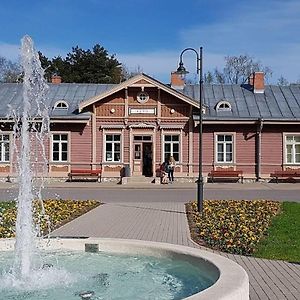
point(142, 97)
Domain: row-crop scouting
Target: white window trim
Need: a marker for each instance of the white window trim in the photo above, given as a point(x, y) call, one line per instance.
point(285, 134)
point(10, 147)
point(68, 133)
point(140, 100)
point(108, 132)
point(164, 133)
point(218, 108)
point(233, 134)
point(63, 102)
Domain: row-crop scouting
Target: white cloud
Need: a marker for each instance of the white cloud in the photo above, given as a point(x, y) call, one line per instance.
point(267, 31)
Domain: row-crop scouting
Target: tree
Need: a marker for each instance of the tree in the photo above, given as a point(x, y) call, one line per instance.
point(209, 77)
point(85, 66)
point(282, 81)
point(238, 68)
point(220, 77)
point(9, 71)
point(129, 74)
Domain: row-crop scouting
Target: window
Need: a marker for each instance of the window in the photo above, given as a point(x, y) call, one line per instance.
point(113, 147)
point(292, 147)
point(171, 147)
point(223, 106)
point(61, 105)
point(137, 151)
point(224, 148)
point(4, 148)
point(142, 138)
point(142, 97)
point(60, 147)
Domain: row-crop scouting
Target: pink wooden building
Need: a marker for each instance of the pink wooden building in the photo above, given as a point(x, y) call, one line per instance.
point(139, 123)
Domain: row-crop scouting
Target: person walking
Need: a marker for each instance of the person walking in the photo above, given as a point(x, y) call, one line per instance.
point(170, 168)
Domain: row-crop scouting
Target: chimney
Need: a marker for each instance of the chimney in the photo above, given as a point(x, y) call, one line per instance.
point(56, 79)
point(177, 82)
point(257, 82)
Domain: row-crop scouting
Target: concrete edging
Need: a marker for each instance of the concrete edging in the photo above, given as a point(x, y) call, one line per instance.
point(232, 280)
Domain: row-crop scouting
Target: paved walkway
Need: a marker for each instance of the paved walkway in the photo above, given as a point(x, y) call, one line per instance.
point(166, 222)
point(178, 192)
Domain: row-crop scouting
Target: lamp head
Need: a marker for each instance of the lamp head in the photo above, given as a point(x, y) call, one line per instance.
point(182, 71)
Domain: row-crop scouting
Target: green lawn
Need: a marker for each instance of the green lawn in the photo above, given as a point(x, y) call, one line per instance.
point(283, 240)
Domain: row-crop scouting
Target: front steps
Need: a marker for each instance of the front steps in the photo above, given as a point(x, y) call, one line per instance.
point(135, 180)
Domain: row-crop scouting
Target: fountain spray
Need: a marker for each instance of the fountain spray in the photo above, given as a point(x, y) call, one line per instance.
point(31, 125)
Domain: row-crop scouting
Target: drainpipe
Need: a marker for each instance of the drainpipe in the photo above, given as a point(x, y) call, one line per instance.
point(259, 128)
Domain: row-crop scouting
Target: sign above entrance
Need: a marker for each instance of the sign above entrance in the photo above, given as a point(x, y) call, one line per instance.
point(151, 111)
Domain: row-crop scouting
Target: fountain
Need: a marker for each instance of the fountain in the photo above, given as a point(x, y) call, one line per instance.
point(34, 90)
point(96, 268)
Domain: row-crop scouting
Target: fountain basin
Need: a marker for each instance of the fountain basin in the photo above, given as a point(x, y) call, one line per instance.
point(230, 280)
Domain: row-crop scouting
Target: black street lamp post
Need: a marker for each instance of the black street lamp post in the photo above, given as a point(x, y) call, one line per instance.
point(182, 71)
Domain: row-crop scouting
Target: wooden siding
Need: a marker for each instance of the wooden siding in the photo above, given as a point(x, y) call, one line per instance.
point(159, 158)
point(142, 81)
point(99, 143)
point(81, 145)
point(271, 151)
point(126, 147)
point(132, 97)
point(110, 110)
point(169, 102)
point(117, 102)
point(208, 150)
point(245, 151)
point(244, 148)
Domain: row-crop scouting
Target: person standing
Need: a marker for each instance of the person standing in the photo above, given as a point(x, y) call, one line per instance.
point(170, 168)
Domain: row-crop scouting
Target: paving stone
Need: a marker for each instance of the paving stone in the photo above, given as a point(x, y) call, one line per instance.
point(166, 222)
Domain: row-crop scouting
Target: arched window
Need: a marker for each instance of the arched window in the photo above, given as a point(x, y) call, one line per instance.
point(61, 105)
point(223, 106)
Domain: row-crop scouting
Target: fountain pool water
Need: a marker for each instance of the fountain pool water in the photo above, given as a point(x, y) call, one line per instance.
point(127, 269)
point(54, 269)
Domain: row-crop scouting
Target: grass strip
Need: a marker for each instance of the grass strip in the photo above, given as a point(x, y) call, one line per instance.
point(283, 236)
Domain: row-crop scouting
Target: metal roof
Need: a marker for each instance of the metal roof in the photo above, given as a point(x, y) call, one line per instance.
point(11, 95)
point(276, 103)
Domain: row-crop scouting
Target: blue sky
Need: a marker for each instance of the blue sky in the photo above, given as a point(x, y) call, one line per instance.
point(151, 34)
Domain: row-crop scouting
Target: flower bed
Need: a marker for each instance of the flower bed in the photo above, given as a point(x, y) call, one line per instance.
point(230, 225)
point(56, 213)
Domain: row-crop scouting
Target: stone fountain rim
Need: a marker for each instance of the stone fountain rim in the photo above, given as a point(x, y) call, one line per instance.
point(232, 282)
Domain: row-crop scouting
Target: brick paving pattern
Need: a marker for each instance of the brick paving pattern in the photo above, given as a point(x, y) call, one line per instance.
point(166, 222)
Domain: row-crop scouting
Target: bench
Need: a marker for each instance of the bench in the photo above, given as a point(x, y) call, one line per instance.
point(287, 174)
point(85, 174)
point(226, 174)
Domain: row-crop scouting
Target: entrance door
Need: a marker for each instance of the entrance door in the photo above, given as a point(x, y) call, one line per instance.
point(137, 158)
point(142, 159)
point(147, 159)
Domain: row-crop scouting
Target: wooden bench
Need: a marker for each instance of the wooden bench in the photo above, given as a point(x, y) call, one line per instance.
point(226, 174)
point(287, 174)
point(83, 173)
